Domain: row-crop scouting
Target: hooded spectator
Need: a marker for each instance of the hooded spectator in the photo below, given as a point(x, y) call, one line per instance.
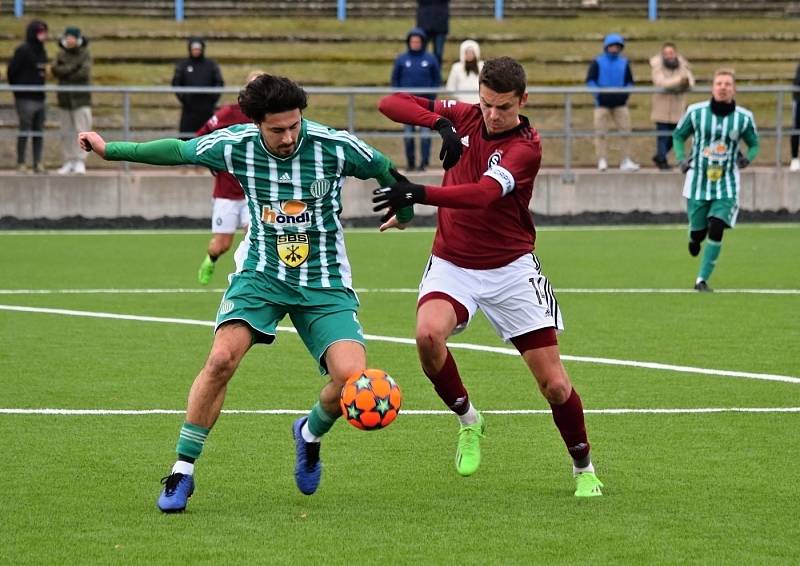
point(197, 71)
point(464, 73)
point(413, 69)
point(73, 67)
point(611, 69)
point(28, 66)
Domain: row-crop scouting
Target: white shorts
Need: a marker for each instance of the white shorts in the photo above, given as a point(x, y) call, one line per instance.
point(515, 298)
point(229, 215)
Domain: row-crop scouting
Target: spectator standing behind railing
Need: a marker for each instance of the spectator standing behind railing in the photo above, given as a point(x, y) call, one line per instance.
point(28, 66)
point(795, 164)
point(611, 69)
point(200, 71)
point(670, 71)
point(464, 73)
point(73, 67)
point(433, 16)
point(416, 68)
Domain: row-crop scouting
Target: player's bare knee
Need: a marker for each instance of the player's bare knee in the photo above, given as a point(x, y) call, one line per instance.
point(221, 364)
point(556, 390)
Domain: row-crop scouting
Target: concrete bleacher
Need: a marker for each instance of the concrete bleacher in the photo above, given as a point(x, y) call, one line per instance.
point(405, 8)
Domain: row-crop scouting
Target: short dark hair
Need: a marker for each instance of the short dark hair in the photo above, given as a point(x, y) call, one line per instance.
point(669, 44)
point(504, 74)
point(268, 94)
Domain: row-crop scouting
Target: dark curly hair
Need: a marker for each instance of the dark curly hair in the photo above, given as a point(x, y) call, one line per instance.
point(504, 74)
point(268, 94)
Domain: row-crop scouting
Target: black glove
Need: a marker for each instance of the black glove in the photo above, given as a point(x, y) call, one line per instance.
point(399, 195)
point(685, 165)
point(451, 143)
point(741, 160)
point(398, 177)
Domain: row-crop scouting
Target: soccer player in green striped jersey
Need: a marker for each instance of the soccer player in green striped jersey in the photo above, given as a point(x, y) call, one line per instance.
point(712, 168)
point(292, 171)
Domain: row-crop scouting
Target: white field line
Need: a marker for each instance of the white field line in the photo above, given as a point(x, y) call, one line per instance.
point(655, 411)
point(398, 290)
point(410, 341)
point(590, 228)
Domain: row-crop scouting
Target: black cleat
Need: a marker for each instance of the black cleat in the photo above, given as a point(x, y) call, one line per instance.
point(694, 248)
point(702, 287)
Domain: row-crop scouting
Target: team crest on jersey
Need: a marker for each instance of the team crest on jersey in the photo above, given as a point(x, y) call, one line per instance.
point(716, 151)
point(734, 134)
point(293, 249)
point(288, 213)
point(320, 188)
point(226, 307)
point(494, 158)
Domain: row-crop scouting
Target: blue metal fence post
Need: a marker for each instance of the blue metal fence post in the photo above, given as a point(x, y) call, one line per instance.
point(652, 10)
point(19, 8)
point(178, 10)
point(341, 10)
point(498, 9)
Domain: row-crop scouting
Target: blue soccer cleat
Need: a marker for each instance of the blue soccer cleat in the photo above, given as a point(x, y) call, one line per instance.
point(178, 488)
point(308, 467)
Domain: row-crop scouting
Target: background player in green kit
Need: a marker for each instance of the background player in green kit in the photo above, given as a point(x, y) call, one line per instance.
point(712, 168)
point(292, 171)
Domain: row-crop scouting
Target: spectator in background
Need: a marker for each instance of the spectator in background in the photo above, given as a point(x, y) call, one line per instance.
point(28, 66)
point(464, 73)
point(73, 67)
point(795, 164)
point(433, 17)
point(412, 69)
point(611, 69)
point(199, 71)
point(671, 72)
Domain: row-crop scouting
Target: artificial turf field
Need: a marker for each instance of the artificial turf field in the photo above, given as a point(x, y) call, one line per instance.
point(685, 484)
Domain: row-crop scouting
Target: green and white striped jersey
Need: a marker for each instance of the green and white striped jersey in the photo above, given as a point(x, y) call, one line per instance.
point(295, 234)
point(714, 173)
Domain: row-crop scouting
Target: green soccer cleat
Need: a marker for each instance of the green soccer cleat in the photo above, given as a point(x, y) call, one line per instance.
point(587, 485)
point(468, 455)
point(206, 271)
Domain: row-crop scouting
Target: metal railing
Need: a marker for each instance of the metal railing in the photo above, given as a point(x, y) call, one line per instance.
point(568, 133)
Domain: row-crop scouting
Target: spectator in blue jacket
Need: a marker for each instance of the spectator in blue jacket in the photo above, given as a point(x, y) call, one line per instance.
point(416, 68)
point(611, 69)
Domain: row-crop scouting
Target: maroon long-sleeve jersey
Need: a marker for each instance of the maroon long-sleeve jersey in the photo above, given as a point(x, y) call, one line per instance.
point(225, 184)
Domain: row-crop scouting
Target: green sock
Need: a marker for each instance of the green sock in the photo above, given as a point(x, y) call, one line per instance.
point(710, 255)
point(320, 422)
point(191, 440)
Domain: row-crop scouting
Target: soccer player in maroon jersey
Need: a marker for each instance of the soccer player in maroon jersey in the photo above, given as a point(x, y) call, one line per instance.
point(230, 207)
point(483, 253)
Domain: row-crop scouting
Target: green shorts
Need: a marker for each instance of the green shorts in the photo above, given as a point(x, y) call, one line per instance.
point(726, 209)
point(320, 316)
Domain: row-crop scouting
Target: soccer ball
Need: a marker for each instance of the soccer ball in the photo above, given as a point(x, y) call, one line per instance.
point(370, 399)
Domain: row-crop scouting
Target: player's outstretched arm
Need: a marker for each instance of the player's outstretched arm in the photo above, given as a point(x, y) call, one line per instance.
point(158, 152)
point(469, 195)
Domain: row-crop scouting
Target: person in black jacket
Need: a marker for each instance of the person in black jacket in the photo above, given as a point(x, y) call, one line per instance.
point(433, 16)
point(28, 67)
point(795, 139)
point(197, 70)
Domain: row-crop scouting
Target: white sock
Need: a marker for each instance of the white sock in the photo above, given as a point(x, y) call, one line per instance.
point(470, 417)
point(698, 280)
point(185, 468)
point(576, 470)
point(307, 436)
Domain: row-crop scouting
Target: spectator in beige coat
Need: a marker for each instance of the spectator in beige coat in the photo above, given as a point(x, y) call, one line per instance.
point(464, 73)
point(671, 72)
